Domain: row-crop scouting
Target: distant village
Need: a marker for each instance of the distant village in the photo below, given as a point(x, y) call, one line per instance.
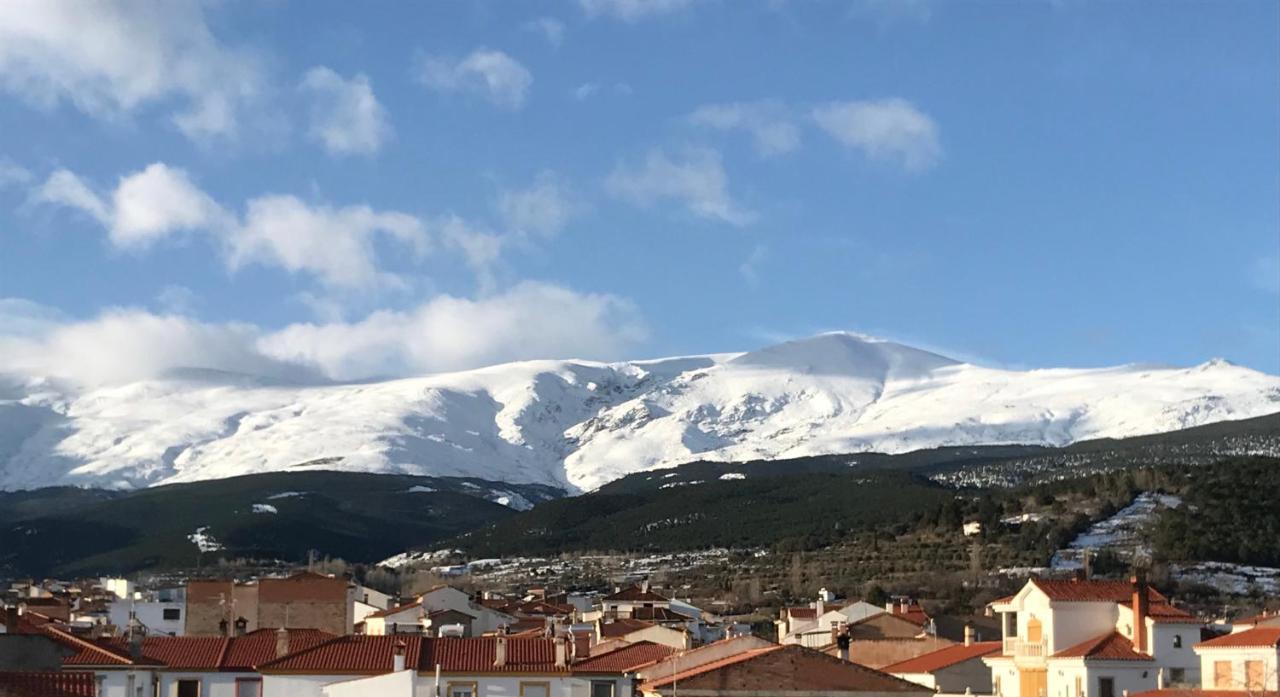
point(309, 634)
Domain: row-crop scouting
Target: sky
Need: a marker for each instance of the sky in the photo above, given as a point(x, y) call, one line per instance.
point(361, 190)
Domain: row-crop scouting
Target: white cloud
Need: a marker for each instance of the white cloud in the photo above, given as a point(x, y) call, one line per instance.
point(177, 300)
point(531, 320)
point(114, 57)
point(632, 10)
point(123, 345)
point(750, 268)
point(891, 130)
point(490, 73)
point(11, 173)
point(543, 209)
point(697, 179)
point(480, 248)
point(336, 245)
point(145, 206)
point(346, 117)
point(587, 90)
point(550, 28)
point(769, 123)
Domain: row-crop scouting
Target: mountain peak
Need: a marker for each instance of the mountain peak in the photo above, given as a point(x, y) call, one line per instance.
point(846, 354)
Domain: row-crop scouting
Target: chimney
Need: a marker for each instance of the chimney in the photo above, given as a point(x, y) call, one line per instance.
point(843, 641)
point(1141, 606)
point(11, 615)
point(135, 634)
point(282, 642)
point(223, 627)
point(562, 651)
point(499, 651)
point(242, 626)
point(820, 608)
point(644, 586)
point(397, 660)
point(968, 635)
point(888, 606)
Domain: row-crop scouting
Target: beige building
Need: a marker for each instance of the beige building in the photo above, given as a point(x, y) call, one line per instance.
point(303, 600)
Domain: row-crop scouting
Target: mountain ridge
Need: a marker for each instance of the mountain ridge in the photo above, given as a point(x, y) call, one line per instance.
point(576, 425)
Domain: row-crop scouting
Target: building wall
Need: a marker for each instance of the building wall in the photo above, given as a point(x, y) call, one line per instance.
point(211, 684)
point(330, 616)
point(1168, 656)
point(150, 614)
point(1270, 659)
point(1069, 624)
point(400, 684)
point(117, 683)
point(1127, 676)
point(972, 674)
point(877, 653)
point(925, 679)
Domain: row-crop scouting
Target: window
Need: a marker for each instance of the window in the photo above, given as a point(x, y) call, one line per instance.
point(1106, 687)
point(1178, 676)
point(188, 688)
point(172, 613)
point(1253, 675)
point(535, 689)
point(1222, 674)
point(248, 687)
point(461, 689)
point(995, 686)
point(1079, 686)
point(1177, 641)
point(601, 688)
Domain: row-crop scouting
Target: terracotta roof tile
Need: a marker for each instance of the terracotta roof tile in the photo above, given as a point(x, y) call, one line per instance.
point(259, 646)
point(1091, 591)
point(375, 654)
point(622, 627)
point(48, 684)
point(1111, 646)
point(395, 610)
point(1260, 637)
point(802, 613)
point(659, 614)
point(1197, 692)
point(624, 659)
point(788, 667)
point(949, 656)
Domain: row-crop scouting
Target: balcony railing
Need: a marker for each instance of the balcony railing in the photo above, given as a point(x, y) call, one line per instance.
point(1013, 646)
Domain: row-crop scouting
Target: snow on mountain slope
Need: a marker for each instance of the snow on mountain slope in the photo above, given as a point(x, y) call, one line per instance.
point(579, 424)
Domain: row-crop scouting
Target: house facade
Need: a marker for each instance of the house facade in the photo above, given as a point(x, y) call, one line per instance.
point(1247, 661)
point(1084, 638)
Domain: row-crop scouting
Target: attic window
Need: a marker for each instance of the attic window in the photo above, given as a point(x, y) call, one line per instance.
point(1177, 641)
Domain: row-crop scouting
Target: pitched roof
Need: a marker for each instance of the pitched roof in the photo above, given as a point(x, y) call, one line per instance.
point(1269, 617)
point(1091, 591)
point(1258, 637)
point(659, 614)
point(913, 613)
point(1165, 613)
point(375, 654)
point(802, 613)
point(622, 627)
point(790, 667)
point(75, 683)
point(224, 654)
point(259, 646)
point(395, 610)
point(1112, 646)
point(942, 658)
point(624, 659)
point(636, 594)
point(1197, 692)
point(92, 653)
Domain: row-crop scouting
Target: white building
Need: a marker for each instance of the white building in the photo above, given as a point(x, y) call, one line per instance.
point(1247, 661)
point(166, 617)
point(1079, 638)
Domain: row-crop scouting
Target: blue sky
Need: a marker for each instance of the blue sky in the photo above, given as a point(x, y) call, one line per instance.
point(392, 189)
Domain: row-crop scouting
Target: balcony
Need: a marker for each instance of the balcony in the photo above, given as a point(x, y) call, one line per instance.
point(1013, 646)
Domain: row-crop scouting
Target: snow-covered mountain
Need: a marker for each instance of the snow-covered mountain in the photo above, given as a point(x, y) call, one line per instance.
point(579, 424)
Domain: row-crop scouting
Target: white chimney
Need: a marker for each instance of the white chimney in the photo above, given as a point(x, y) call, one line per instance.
point(397, 661)
point(282, 642)
point(888, 606)
point(820, 608)
point(499, 651)
point(644, 586)
point(968, 635)
point(562, 651)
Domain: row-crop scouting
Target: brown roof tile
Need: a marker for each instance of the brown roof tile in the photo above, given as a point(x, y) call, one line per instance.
point(1112, 646)
point(791, 667)
point(624, 659)
point(73, 683)
point(949, 656)
point(1260, 637)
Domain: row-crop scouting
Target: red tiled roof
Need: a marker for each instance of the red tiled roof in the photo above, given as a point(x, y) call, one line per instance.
point(1001, 601)
point(375, 654)
point(259, 646)
point(1259, 637)
point(802, 613)
point(636, 594)
point(74, 683)
point(622, 627)
point(949, 656)
point(1091, 591)
point(789, 667)
point(1164, 613)
point(92, 653)
point(394, 610)
point(913, 614)
point(1112, 646)
point(1265, 616)
point(659, 614)
point(1197, 692)
point(624, 659)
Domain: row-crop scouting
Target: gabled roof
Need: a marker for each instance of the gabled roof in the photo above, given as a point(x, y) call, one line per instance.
point(257, 647)
point(791, 668)
point(636, 594)
point(912, 613)
point(376, 654)
point(1258, 637)
point(74, 683)
point(659, 614)
point(624, 659)
point(1112, 646)
point(802, 613)
point(1090, 591)
point(395, 610)
point(92, 653)
point(622, 627)
point(942, 658)
point(1164, 613)
point(223, 654)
